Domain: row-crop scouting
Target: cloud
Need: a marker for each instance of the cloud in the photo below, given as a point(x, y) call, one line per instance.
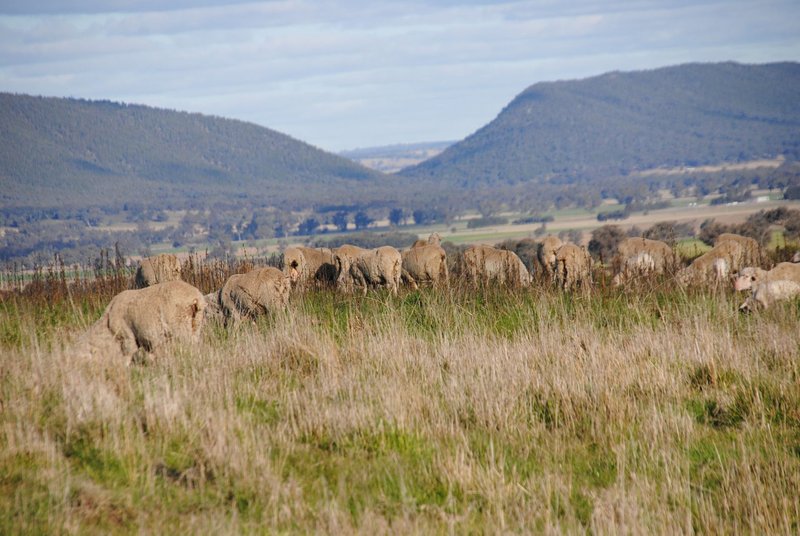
point(358, 73)
point(82, 7)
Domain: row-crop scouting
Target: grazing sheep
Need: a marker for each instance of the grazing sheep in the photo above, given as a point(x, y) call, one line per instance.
point(213, 307)
point(158, 269)
point(424, 265)
point(305, 266)
point(344, 257)
point(433, 240)
point(256, 293)
point(713, 266)
point(379, 267)
point(638, 257)
point(769, 292)
point(664, 257)
point(527, 250)
point(751, 276)
point(751, 250)
point(547, 256)
point(641, 264)
point(573, 267)
point(139, 322)
point(483, 264)
point(721, 269)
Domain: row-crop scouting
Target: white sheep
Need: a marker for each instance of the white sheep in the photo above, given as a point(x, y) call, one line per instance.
point(766, 293)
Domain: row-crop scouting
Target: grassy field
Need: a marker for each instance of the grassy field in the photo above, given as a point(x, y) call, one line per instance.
point(685, 210)
point(652, 411)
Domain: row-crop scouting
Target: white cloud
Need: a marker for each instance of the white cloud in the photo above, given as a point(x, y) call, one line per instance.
point(358, 73)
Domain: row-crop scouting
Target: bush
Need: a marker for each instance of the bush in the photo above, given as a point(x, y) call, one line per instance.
point(533, 219)
point(486, 222)
point(638, 206)
point(613, 215)
point(604, 242)
point(669, 232)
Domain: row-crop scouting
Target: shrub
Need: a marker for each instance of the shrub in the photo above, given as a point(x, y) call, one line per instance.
point(613, 215)
point(486, 221)
point(605, 240)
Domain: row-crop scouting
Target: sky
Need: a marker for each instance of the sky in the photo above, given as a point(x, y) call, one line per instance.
point(352, 74)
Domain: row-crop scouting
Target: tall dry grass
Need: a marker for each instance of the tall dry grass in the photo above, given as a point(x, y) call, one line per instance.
point(653, 411)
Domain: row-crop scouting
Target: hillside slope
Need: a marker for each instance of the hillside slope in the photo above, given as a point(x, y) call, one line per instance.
point(621, 122)
point(56, 151)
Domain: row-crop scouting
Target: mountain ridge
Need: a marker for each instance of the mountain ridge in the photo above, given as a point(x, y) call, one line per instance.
point(609, 124)
point(89, 145)
point(596, 132)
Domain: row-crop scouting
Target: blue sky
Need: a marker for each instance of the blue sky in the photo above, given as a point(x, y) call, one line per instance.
point(342, 75)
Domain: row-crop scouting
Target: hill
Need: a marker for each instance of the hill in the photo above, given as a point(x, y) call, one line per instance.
point(597, 132)
point(57, 151)
point(619, 123)
point(78, 177)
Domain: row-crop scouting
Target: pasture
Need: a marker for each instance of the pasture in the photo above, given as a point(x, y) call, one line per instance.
point(652, 410)
point(684, 210)
point(584, 221)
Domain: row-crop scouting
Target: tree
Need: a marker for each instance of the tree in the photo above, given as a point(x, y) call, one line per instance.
point(92, 217)
point(425, 216)
point(488, 207)
point(222, 249)
point(396, 216)
point(308, 226)
point(340, 221)
point(669, 231)
point(634, 231)
point(282, 223)
point(710, 230)
point(261, 225)
point(664, 231)
point(575, 236)
point(361, 220)
point(792, 192)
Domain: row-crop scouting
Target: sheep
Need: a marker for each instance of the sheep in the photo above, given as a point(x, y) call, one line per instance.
point(769, 292)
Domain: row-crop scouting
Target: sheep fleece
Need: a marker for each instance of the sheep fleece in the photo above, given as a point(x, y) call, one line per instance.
point(145, 319)
point(425, 264)
point(485, 263)
point(254, 294)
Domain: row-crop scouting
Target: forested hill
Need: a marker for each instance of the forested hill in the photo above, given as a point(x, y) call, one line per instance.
point(622, 122)
point(596, 132)
point(55, 151)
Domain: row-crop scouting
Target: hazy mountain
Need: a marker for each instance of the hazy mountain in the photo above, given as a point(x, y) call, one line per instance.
point(622, 122)
point(392, 158)
point(55, 151)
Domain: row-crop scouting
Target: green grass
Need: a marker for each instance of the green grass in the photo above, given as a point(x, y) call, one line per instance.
point(486, 410)
point(691, 248)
